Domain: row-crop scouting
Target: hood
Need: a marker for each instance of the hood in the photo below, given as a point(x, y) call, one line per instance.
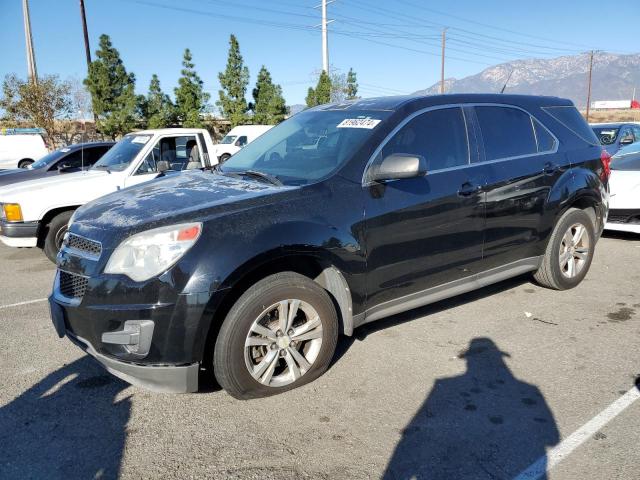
point(8, 177)
point(51, 183)
point(172, 199)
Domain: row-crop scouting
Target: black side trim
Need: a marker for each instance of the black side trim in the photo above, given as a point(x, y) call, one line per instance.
point(621, 215)
point(19, 229)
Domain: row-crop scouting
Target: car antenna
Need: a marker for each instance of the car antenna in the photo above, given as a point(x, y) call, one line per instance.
point(507, 81)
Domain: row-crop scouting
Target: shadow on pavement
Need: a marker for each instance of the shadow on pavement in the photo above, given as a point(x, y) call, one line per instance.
point(483, 424)
point(69, 425)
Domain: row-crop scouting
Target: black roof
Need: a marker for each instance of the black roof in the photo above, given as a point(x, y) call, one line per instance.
point(77, 146)
point(396, 102)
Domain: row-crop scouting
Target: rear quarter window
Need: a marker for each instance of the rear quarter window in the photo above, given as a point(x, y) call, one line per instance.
point(570, 117)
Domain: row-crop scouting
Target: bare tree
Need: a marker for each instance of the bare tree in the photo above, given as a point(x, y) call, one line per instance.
point(43, 104)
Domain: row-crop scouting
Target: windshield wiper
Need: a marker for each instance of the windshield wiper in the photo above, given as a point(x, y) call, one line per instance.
point(257, 175)
point(105, 167)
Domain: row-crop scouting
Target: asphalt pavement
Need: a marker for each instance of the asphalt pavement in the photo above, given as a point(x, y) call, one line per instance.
point(512, 379)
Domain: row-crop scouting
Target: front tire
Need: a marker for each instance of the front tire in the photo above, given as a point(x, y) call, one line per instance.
point(569, 252)
point(280, 334)
point(224, 157)
point(25, 163)
point(57, 228)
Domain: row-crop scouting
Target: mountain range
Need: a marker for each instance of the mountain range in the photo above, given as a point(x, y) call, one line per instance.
point(614, 77)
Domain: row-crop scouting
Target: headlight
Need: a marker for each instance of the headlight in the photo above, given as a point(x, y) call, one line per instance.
point(12, 212)
point(150, 253)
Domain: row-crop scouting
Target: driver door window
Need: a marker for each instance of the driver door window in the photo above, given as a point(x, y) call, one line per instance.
point(173, 150)
point(242, 141)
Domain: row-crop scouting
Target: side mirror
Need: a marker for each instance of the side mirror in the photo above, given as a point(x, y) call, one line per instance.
point(397, 166)
point(64, 166)
point(162, 166)
point(626, 140)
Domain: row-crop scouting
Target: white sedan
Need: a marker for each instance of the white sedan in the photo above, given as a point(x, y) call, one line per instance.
point(624, 184)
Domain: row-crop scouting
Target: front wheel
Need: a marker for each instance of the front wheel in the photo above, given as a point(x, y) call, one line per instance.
point(24, 163)
point(55, 235)
point(224, 157)
point(279, 335)
point(569, 252)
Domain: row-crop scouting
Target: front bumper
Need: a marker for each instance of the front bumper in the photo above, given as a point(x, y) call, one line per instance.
point(110, 325)
point(19, 234)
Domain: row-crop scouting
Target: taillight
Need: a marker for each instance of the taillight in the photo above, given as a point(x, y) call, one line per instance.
point(605, 159)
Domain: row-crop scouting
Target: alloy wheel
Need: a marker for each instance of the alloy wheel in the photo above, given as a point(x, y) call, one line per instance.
point(283, 343)
point(574, 250)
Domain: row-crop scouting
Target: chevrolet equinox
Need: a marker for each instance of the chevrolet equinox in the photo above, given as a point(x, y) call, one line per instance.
point(341, 215)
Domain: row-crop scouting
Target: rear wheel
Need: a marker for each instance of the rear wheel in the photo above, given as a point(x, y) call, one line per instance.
point(55, 234)
point(569, 252)
point(25, 163)
point(279, 335)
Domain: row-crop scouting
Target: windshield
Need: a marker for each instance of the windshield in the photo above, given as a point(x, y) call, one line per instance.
point(49, 159)
point(606, 135)
point(228, 139)
point(307, 147)
point(120, 156)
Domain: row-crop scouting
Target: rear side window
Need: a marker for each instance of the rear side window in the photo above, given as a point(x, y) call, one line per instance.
point(506, 132)
point(440, 136)
point(571, 118)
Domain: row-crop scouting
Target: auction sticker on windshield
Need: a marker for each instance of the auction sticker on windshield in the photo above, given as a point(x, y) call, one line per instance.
point(368, 123)
point(140, 139)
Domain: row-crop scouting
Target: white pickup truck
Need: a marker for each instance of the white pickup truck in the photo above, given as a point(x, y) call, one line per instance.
point(37, 212)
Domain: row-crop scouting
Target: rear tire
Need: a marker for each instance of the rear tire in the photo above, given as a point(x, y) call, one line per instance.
point(25, 163)
point(569, 251)
point(256, 355)
point(57, 228)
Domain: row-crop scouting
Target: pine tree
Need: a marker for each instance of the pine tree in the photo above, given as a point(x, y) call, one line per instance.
point(269, 107)
point(322, 93)
point(191, 99)
point(112, 91)
point(352, 85)
point(157, 108)
point(234, 81)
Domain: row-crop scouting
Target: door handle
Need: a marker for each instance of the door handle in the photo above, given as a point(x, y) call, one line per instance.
point(550, 168)
point(467, 189)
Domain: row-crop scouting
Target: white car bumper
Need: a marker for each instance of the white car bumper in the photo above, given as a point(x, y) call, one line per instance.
point(19, 242)
point(623, 227)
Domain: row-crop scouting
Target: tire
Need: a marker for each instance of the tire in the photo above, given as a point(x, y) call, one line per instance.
point(232, 359)
point(24, 163)
point(576, 248)
point(224, 157)
point(55, 234)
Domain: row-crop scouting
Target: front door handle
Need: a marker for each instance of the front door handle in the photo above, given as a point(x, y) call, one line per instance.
point(550, 168)
point(467, 189)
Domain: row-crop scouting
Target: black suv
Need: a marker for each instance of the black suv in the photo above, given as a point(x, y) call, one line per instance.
point(342, 215)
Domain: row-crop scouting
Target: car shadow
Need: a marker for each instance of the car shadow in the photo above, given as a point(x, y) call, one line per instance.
point(71, 424)
point(361, 333)
point(483, 424)
point(621, 235)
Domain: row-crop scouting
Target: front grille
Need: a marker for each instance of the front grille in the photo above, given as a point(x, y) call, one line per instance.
point(82, 244)
point(72, 285)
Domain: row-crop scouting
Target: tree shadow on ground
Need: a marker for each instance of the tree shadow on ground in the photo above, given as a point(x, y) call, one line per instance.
point(68, 425)
point(483, 424)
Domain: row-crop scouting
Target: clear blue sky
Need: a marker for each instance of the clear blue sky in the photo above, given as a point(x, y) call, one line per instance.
point(394, 46)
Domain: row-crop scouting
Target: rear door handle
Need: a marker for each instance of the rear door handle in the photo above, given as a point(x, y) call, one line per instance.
point(467, 189)
point(550, 168)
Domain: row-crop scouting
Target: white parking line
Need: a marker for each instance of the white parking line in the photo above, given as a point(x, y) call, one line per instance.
point(23, 303)
point(577, 438)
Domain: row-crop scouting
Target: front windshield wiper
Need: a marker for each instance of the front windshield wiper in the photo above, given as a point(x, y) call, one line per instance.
point(257, 175)
point(102, 167)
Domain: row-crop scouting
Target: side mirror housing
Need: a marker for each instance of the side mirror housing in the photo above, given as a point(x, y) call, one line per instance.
point(162, 166)
point(397, 166)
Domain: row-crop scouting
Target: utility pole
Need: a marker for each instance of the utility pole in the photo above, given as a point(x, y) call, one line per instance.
point(444, 43)
point(589, 87)
point(31, 60)
point(87, 50)
point(325, 35)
